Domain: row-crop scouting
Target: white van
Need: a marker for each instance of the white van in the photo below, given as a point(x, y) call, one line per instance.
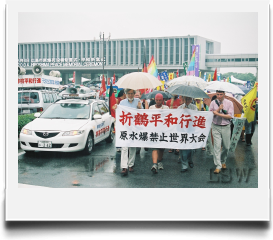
point(32, 101)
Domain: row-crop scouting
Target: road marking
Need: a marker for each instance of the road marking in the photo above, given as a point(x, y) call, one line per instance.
point(21, 153)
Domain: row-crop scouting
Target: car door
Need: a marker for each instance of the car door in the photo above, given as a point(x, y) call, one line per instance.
point(98, 123)
point(105, 119)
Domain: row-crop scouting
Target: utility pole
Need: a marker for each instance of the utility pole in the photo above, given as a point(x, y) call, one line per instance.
point(103, 50)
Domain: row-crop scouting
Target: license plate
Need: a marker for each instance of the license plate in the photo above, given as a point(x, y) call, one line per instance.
point(26, 111)
point(44, 144)
point(73, 95)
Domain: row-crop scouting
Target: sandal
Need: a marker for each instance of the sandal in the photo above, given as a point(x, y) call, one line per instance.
point(243, 140)
point(171, 151)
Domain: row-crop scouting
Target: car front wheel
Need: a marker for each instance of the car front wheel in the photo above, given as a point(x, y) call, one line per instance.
point(89, 144)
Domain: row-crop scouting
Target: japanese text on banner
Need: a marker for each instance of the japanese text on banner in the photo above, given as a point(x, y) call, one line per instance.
point(162, 128)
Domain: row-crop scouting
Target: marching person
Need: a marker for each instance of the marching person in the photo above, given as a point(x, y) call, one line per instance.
point(157, 153)
point(125, 161)
point(223, 112)
point(121, 96)
point(174, 104)
point(186, 154)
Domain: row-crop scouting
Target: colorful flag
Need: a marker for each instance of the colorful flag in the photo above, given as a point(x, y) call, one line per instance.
point(112, 101)
point(196, 65)
point(249, 103)
point(205, 76)
point(108, 81)
point(215, 75)
point(73, 80)
point(114, 79)
point(102, 87)
point(164, 76)
point(192, 64)
point(152, 69)
point(209, 78)
point(177, 73)
point(171, 76)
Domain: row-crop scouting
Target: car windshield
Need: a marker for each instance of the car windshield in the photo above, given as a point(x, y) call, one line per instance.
point(28, 97)
point(67, 111)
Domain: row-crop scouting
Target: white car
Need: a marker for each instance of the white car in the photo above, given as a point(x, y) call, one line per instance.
point(69, 125)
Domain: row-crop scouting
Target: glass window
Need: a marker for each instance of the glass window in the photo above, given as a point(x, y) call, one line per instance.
point(160, 51)
point(237, 59)
point(103, 109)
point(54, 96)
point(88, 50)
point(59, 50)
point(166, 51)
point(55, 50)
point(70, 50)
point(109, 52)
point(171, 51)
point(126, 52)
point(252, 59)
point(79, 50)
point(28, 97)
point(141, 51)
point(147, 51)
point(152, 48)
point(106, 107)
point(223, 60)
point(121, 52)
point(132, 52)
point(95, 109)
point(186, 55)
point(67, 111)
point(63, 48)
point(44, 50)
point(114, 53)
point(98, 49)
point(137, 50)
point(50, 97)
point(177, 51)
point(93, 49)
point(46, 98)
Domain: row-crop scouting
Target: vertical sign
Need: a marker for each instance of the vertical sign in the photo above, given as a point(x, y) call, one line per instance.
point(196, 65)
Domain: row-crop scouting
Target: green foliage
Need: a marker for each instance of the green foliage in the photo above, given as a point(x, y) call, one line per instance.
point(24, 120)
point(241, 76)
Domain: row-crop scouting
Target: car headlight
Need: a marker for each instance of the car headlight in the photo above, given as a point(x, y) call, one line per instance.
point(26, 131)
point(73, 133)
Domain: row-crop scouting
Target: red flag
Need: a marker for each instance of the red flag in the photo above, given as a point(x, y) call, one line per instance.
point(177, 73)
point(215, 75)
point(112, 101)
point(102, 87)
point(73, 80)
point(114, 79)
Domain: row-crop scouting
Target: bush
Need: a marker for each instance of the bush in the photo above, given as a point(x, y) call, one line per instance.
point(24, 120)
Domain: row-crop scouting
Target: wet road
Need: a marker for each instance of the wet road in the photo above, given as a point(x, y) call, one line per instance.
point(101, 169)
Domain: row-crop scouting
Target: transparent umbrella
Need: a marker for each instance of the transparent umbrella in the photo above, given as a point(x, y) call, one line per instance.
point(138, 80)
point(188, 80)
point(153, 93)
point(224, 86)
point(187, 91)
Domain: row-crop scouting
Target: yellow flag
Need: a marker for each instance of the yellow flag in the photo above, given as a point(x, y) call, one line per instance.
point(200, 74)
point(161, 88)
point(171, 76)
point(249, 103)
point(209, 78)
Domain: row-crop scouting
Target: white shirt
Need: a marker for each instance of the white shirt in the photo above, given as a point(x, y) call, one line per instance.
point(162, 107)
point(190, 106)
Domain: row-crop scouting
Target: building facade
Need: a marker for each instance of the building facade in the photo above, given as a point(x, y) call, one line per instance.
point(119, 56)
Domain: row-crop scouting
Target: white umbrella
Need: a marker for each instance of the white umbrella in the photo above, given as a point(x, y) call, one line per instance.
point(224, 86)
point(138, 80)
point(190, 81)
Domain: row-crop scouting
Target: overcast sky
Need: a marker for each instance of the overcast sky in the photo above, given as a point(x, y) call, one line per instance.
point(237, 32)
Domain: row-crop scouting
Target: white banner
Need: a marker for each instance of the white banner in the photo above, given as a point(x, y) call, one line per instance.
point(163, 128)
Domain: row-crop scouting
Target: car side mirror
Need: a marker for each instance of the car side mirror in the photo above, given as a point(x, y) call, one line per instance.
point(37, 115)
point(97, 116)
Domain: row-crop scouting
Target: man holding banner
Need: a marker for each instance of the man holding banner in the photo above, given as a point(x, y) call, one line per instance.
point(223, 112)
point(186, 155)
point(126, 161)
